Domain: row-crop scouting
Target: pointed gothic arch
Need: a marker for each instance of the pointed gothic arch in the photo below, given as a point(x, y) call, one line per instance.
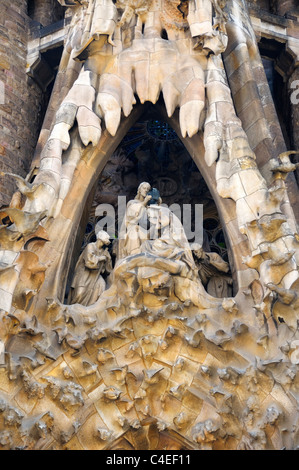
point(85, 177)
point(155, 116)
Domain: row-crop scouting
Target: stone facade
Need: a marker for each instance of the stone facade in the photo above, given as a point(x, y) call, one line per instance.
point(21, 109)
point(141, 339)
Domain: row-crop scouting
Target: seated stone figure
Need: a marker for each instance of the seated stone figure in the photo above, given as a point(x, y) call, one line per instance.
point(88, 283)
point(167, 237)
point(154, 233)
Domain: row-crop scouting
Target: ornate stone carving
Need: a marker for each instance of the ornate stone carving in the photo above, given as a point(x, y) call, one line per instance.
point(150, 359)
point(88, 283)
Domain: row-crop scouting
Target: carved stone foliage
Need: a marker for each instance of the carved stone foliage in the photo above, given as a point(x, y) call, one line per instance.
point(151, 360)
point(154, 360)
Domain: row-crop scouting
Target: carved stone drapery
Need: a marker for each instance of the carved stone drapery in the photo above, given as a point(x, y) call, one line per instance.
point(88, 283)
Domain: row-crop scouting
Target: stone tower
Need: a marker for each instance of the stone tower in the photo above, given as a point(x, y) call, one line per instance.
point(23, 100)
point(149, 225)
point(20, 97)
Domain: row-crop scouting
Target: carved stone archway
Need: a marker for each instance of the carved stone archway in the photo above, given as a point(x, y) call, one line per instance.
point(88, 171)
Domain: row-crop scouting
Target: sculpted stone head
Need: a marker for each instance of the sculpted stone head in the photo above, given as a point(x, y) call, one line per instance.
point(143, 190)
point(103, 237)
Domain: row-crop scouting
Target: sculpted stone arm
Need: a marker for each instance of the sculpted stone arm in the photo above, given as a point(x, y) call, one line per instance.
point(91, 257)
point(107, 265)
point(135, 211)
point(217, 262)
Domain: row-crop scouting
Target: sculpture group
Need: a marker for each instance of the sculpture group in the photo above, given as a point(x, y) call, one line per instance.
point(153, 350)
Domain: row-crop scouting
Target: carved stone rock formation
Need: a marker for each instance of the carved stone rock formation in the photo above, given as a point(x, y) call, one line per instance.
point(152, 351)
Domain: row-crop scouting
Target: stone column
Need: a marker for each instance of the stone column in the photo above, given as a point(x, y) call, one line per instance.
point(20, 97)
point(250, 89)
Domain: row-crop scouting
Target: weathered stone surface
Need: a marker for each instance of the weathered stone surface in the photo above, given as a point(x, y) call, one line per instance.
point(152, 349)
